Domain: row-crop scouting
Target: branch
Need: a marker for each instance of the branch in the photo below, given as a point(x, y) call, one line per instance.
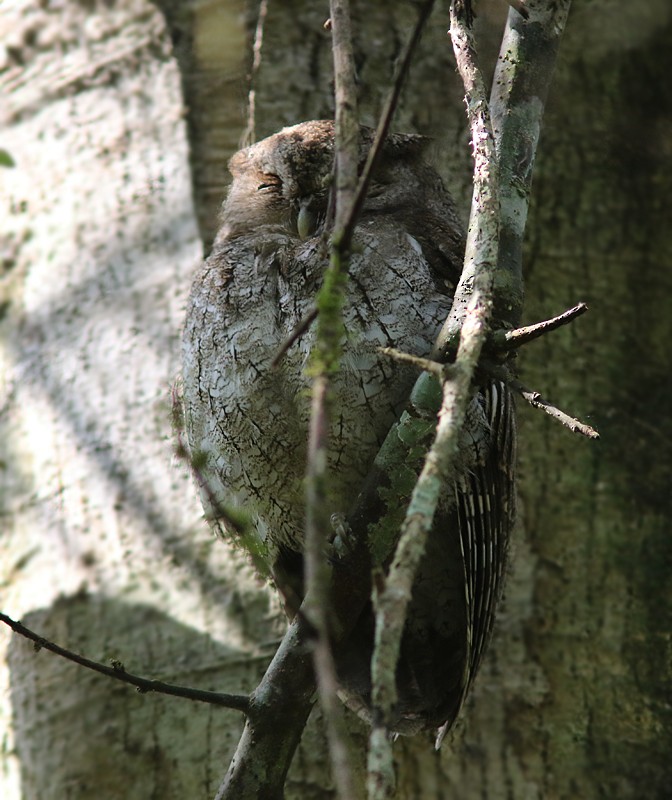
point(118, 672)
point(537, 401)
point(385, 120)
point(325, 359)
point(249, 135)
point(349, 200)
point(468, 318)
point(483, 233)
point(278, 712)
point(281, 704)
point(520, 336)
point(350, 220)
point(519, 90)
point(346, 124)
point(441, 371)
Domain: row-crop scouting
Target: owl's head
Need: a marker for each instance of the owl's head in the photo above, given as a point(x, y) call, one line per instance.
point(285, 180)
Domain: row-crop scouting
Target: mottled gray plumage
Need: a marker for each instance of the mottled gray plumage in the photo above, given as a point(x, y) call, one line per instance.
point(247, 423)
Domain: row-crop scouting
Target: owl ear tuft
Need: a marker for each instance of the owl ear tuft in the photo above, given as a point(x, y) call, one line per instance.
point(238, 163)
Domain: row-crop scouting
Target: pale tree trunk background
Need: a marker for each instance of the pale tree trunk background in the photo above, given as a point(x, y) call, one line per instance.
point(120, 117)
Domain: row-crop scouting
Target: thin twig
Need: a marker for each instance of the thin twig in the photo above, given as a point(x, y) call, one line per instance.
point(537, 401)
point(249, 135)
point(373, 155)
point(118, 672)
point(520, 336)
point(385, 120)
point(294, 336)
point(426, 364)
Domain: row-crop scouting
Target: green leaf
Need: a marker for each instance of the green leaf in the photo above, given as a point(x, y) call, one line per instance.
point(5, 159)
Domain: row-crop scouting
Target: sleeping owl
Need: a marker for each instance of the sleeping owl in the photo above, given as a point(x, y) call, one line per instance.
point(247, 421)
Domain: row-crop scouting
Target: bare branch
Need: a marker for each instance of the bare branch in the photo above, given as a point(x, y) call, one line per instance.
point(483, 235)
point(118, 672)
point(295, 335)
point(469, 318)
point(426, 364)
point(385, 121)
point(279, 709)
point(249, 135)
point(537, 401)
point(520, 336)
point(346, 146)
point(317, 606)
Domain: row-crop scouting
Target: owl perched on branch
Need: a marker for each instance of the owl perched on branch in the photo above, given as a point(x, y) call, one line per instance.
point(247, 422)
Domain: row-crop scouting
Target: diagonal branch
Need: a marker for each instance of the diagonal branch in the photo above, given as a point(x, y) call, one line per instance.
point(287, 690)
point(118, 672)
point(385, 121)
point(469, 319)
point(537, 401)
point(520, 336)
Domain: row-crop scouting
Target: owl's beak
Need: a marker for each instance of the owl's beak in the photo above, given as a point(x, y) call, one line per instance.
point(306, 219)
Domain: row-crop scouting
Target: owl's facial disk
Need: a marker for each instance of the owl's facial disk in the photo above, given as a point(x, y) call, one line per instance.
point(284, 181)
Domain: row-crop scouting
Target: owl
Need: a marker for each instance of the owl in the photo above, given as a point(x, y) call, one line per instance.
point(247, 421)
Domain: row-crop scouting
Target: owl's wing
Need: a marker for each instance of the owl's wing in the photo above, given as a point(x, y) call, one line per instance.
point(485, 503)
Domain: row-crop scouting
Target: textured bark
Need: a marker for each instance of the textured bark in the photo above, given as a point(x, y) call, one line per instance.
point(597, 517)
point(103, 548)
point(99, 238)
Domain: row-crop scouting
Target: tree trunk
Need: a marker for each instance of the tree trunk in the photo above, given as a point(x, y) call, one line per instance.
point(104, 549)
point(120, 119)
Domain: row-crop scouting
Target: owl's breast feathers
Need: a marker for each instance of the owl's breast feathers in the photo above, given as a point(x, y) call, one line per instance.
point(249, 419)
